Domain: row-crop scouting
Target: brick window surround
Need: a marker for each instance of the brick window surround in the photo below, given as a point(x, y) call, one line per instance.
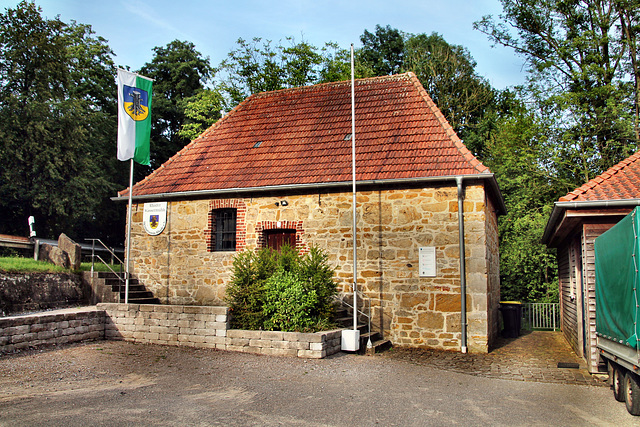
point(241, 225)
point(261, 226)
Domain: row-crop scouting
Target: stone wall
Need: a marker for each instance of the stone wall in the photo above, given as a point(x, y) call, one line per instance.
point(179, 267)
point(21, 292)
point(493, 273)
point(191, 326)
point(199, 326)
point(63, 327)
point(167, 324)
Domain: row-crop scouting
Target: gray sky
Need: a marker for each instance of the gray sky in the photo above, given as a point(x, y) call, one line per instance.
point(134, 27)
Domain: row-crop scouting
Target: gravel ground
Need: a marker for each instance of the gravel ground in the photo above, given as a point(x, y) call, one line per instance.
point(118, 383)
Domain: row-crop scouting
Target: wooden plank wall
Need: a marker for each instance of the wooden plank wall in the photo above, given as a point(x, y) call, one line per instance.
point(566, 259)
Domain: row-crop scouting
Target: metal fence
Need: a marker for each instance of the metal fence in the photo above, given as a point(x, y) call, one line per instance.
point(540, 316)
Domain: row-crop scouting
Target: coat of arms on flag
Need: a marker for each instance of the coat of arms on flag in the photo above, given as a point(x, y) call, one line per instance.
point(136, 102)
point(154, 217)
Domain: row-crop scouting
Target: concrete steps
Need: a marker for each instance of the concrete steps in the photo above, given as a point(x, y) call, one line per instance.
point(138, 294)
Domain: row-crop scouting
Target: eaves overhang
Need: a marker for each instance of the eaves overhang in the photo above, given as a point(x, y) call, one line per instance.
point(489, 178)
point(559, 208)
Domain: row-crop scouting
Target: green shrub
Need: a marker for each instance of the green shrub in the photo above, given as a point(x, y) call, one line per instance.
point(288, 304)
point(314, 269)
point(245, 293)
point(281, 290)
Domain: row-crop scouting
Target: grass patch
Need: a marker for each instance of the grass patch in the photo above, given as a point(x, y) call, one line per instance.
point(98, 266)
point(16, 264)
point(28, 265)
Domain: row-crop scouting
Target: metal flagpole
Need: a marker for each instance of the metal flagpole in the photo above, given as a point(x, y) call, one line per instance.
point(353, 173)
point(128, 257)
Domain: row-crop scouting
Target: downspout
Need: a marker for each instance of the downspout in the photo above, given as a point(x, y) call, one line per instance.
point(463, 273)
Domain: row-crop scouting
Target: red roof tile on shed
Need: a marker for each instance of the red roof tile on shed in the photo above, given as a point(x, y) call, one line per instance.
point(400, 134)
point(620, 182)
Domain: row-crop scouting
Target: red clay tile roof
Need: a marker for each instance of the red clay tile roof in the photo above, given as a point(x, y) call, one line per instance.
point(620, 182)
point(400, 134)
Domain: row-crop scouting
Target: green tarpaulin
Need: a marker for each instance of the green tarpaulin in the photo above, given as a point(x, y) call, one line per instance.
point(617, 280)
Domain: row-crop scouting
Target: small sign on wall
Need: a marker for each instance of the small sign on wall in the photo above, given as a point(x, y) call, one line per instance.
point(427, 261)
point(155, 217)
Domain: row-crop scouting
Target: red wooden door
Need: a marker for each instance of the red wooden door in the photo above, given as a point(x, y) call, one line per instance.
point(277, 238)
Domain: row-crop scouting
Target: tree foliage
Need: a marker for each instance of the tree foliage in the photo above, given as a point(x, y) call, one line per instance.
point(383, 50)
point(57, 99)
point(516, 153)
point(582, 66)
point(180, 73)
point(448, 74)
point(201, 111)
point(259, 66)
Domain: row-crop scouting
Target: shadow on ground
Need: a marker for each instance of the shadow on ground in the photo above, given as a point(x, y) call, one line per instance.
point(534, 356)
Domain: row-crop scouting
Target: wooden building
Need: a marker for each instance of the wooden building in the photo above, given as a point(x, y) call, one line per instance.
point(576, 220)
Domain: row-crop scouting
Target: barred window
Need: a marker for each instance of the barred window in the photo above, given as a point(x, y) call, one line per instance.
point(224, 230)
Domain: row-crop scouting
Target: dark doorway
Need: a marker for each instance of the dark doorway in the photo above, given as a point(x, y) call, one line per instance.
point(279, 237)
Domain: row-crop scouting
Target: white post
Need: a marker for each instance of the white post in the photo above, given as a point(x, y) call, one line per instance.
point(353, 173)
point(127, 259)
point(351, 338)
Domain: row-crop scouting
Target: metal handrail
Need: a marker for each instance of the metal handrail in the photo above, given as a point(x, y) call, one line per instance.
point(113, 255)
point(368, 316)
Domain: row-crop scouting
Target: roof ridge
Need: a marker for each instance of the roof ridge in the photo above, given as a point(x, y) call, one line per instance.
point(602, 178)
point(278, 92)
point(462, 149)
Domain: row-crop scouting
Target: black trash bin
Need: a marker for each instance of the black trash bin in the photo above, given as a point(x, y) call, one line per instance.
point(511, 318)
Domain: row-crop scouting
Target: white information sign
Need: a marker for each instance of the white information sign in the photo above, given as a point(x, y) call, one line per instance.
point(155, 217)
point(428, 261)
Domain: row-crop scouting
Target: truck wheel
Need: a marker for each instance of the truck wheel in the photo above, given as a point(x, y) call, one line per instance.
point(632, 393)
point(617, 383)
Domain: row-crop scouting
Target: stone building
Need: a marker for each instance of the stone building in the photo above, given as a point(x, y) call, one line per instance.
point(575, 222)
point(277, 169)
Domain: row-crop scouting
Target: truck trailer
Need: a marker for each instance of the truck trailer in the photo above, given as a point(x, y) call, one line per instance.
point(618, 308)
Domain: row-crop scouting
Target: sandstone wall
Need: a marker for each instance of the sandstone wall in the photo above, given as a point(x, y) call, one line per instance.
point(179, 267)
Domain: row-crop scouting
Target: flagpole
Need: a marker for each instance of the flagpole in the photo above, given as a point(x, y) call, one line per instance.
point(128, 257)
point(353, 172)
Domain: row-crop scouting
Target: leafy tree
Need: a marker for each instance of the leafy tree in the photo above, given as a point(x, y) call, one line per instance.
point(179, 72)
point(383, 50)
point(201, 111)
point(517, 153)
point(336, 64)
point(582, 69)
point(258, 66)
point(300, 63)
point(56, 96)
point(448, 74)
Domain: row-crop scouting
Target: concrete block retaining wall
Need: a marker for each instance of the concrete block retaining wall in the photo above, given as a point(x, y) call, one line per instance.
point(206, 326)
point(194, 326)
point(60, 327)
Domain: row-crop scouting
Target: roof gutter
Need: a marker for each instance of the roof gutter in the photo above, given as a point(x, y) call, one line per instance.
point(560, 207)
point(489, 177)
